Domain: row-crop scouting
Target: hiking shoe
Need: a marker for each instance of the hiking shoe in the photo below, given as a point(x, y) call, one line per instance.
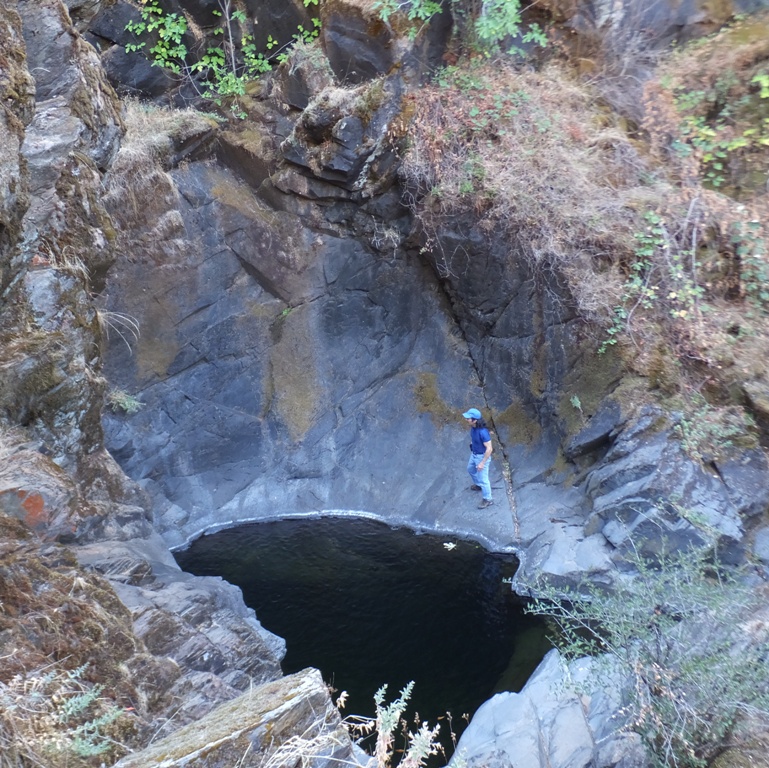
point(485, 503)
point(475, 488)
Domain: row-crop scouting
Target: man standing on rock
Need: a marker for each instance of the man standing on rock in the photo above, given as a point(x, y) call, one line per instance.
point(480, 456)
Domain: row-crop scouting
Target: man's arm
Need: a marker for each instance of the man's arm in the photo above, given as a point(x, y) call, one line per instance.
point(486, 454)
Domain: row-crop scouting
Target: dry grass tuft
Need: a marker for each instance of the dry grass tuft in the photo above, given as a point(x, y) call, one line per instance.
point(151, 129)
point(138, 182)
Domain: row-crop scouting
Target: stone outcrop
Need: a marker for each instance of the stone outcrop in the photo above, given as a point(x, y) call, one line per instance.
point(639, 490)
point(198, 625)
point(278, 724)
point(548, 725)
point(361, 46)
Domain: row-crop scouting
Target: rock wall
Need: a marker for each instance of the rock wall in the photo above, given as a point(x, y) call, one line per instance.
point(166, 646)
point(307, 346)
point(298, 350)
point(292, 357)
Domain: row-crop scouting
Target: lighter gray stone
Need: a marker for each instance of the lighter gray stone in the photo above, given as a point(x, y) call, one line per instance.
point(548, 725)
point(761, 546)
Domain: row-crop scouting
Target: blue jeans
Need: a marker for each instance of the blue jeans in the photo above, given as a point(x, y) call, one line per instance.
point(480, 476)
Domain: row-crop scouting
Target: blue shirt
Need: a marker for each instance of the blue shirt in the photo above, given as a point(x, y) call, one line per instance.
point(479, 436)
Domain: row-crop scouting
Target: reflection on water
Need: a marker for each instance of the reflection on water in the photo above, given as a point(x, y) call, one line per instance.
point(367, 605)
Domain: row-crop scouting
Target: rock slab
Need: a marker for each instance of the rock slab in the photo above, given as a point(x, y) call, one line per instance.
point(256, 728)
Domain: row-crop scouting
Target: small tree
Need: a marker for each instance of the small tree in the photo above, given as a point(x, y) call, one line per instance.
point(682, 633)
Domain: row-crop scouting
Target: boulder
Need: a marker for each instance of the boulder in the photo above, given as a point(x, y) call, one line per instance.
point(551, 723)
point(648, 494)
point(39, 493)
point(279, 722)
point(343, 135)
point(761, 546)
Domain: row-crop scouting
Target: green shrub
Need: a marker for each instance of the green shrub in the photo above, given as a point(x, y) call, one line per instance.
point(493, 21)
point(683, 634)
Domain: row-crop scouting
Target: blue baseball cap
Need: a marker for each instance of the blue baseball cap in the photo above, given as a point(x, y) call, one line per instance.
point(473, 413)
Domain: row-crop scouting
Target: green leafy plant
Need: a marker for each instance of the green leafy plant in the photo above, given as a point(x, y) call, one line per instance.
point(762, 81)
point(54, 717)
point(680, 632)
point(169, 51)
point(663, 276)
point(421, 743)
point(414, 10)
point(709, 120)
point(225, 69)
point(750, 249)
point(495, 21)
point(706, 431)
point(502, 18)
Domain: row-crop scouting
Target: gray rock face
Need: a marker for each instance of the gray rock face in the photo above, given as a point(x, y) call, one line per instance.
point(635, 490)
point(291, 368)
point(761, 546)
point(82, 11)
point(59, 253)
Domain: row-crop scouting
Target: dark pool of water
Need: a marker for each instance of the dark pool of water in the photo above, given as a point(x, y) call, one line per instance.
point(367, 605)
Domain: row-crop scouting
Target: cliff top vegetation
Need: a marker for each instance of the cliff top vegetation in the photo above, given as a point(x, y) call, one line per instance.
point(652, 208)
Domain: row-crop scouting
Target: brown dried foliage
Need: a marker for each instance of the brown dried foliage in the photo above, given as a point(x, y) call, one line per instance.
point(539, 159)
point(534, 158)
point(56, 618)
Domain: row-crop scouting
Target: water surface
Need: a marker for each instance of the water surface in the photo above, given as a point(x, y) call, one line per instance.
point(368, 605)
